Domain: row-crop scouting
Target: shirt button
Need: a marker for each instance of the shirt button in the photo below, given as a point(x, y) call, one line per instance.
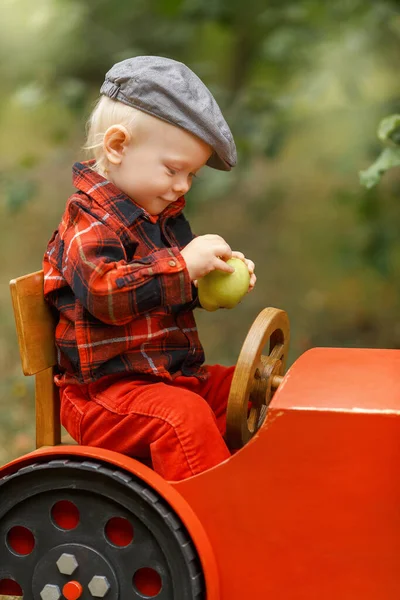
point(172, 263)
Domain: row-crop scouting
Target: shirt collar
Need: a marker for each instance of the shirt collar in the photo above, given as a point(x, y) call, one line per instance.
point(107, 195)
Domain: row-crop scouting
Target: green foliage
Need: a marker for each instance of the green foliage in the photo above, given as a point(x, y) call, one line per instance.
point(17, 192)
point(389, 158)
point(389, 134)
point(389, 130)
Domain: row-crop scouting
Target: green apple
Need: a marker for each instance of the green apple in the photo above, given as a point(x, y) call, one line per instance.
point(219, 289)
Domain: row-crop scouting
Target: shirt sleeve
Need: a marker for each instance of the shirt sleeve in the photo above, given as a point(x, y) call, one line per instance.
point(113, 290)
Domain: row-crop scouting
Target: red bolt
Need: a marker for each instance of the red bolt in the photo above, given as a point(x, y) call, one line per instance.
point(72, 590)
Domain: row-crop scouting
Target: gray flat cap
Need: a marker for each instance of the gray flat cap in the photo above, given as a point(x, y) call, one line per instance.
point(169, 90)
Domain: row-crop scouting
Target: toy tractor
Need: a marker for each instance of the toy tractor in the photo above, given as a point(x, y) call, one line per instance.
point(306, 508)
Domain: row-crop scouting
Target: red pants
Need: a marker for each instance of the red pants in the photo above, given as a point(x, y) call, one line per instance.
point(179, 425)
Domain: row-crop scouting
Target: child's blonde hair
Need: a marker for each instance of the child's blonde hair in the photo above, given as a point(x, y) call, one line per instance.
point(106, 113)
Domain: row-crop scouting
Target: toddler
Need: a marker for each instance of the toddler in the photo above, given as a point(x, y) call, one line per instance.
point(122, 267)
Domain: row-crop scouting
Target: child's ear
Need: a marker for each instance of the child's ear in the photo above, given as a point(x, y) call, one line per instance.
point(116, 138)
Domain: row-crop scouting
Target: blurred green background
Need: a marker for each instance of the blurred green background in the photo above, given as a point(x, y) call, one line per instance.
point(303, 84)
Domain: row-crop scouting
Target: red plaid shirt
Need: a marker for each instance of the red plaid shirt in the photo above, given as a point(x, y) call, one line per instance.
point(117, 278)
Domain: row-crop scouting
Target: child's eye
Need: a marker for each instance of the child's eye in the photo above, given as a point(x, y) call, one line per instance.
point(171, 171)
point(192, 174)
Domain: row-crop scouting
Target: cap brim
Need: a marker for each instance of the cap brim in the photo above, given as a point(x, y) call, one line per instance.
point(216, 162)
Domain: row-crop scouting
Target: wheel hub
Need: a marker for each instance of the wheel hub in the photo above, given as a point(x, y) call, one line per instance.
point(91, 572)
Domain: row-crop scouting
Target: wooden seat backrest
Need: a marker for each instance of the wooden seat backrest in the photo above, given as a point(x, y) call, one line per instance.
point(35, 325)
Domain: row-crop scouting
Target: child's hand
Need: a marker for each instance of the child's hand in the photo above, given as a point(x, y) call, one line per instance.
point(205, 254)
point(250, 266)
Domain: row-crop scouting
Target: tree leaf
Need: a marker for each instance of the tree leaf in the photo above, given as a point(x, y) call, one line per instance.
point(389, 157)
point(389, 129)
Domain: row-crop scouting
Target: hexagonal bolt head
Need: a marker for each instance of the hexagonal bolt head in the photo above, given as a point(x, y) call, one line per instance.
point(98, 586)
point(67, 564)
point(50, 592)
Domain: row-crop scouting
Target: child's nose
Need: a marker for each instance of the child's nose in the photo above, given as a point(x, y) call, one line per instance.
point(182, 185)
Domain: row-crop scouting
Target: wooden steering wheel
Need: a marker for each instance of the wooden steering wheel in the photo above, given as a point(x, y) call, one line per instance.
point(256, 376)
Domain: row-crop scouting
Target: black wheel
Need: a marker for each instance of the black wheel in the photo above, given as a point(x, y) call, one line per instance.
point(72, 530)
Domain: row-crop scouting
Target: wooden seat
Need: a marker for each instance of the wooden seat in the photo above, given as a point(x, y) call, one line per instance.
point(35, 325)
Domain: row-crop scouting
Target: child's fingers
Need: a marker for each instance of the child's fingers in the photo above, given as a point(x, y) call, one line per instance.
point(253, 280)
point(250, 265)
point(222, 265)
point(236, 254)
